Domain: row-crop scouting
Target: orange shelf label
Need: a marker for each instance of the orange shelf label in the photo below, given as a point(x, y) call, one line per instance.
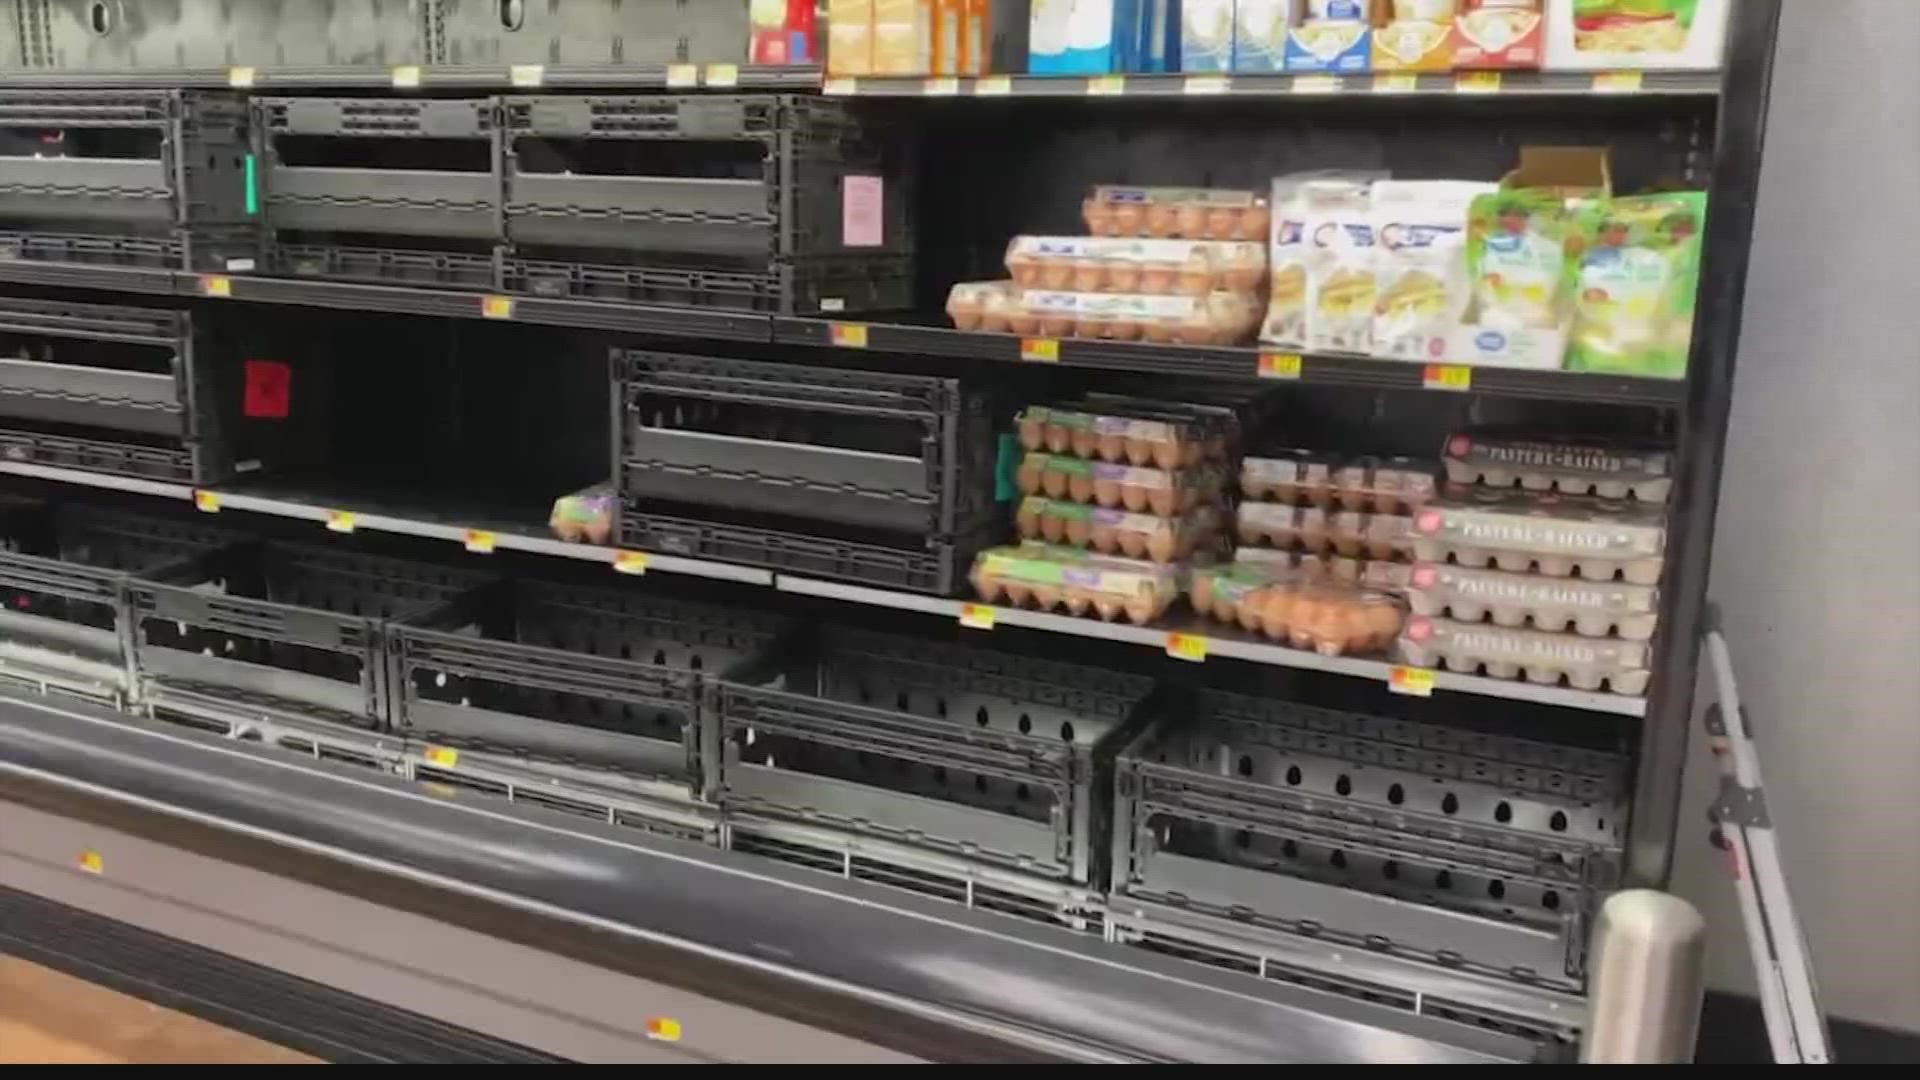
point(1187, 647)
point(723, 75)
point(91, 862)
point(406, 77)
point(1412, 681)
point(630, 562)
point(976, 616)
point(444, 757)
point(1276, 365)
point(1618, 82)
point(682, 76)
point(1476, 82)
point(207, 502)
point(479, 541)
point(1447, 377)
point(848, 335)
point(496, 307)
point(216, 285)
point(1040, 350)
point(1107, 85)
point(340, 521)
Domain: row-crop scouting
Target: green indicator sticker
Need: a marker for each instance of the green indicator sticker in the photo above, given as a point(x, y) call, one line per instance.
point(1006, 468)
point(253, 189)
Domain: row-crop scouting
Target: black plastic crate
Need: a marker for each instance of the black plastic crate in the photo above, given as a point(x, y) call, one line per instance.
point(546, 672)
point(892, 743)
point(64, 572)
point(808, 286)
point(184, 36)
point(167, 166)
point(108, 388)
point(937, 565)
point(264, 628)
point(1464, 849)
point(879, 450)
point(609, 35)
point(399, 266)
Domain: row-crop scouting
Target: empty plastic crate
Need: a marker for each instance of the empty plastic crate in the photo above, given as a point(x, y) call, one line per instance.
point(65, 571)
point(937, 564)
point(266, 629)
point(605, 34)
point(556, 673)
point(983, 757)
point(1466, 850)
point(125, 36)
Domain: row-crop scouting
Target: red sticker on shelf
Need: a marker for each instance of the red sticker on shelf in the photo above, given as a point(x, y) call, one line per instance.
point(269, 389)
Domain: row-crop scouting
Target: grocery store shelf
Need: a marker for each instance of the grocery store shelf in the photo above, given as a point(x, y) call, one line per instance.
point(1224, 362)
point(718, 76)
point(130, 279)
point(135, 485)
point(1206, 85)
point(1213, 640)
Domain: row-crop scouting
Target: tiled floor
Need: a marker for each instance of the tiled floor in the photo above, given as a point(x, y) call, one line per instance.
point(50, 1018)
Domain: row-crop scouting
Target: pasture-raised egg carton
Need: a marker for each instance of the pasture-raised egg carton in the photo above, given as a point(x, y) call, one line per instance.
point(1558, 535)
point(1588, 608)
point(1535, 655)
point(1570, 467)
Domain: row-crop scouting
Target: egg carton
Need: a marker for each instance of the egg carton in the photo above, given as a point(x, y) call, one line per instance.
point(1382, 485)
point(1163, 492)
point(1139, 437)
point(1389, 577)
point(1590, 609)
point(1152, 267)
point(1538, 656)
point(1177, 213)
point(1556, 535)
point(1322, 616)
point(1048, 578)
point(1347, 533)
point(1571, 467)
point(1117, 532)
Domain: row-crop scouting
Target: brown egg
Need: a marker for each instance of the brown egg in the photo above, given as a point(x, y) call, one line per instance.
point(1252, 615)
point(1190, 222)
point(1159, 331)
point(1098, 216)
point(1123, 275)
point(1059, 438)
point(1256, 221)
point(1133, 543)
point(1223, 223)
point(1162, 546)
point(1135, 497)
point(1200, 592)
point(1089, 274)
point(1143, 609)
point(1128, 219)
point(965, 317)
point(1078, 600)
point(994, 321)
point(1229, 610)
point(1167, 502)
point(1055, 272)
point(1309, 616)
point(1030, 477)
point(1384, 622)
point(1197, 328)
point(1251, 532)
point(569, 531)
point(598, 532)
point(1166, 453)
point(1022, 322)
point(1046, 597)
point(1079, 531)
point(1082, 488)
point(1033, 434)
point(1056, 325)
point(1053, 527)
point(1018, 593)
point(1084, 442)
point(1278, 612)
point(1089, 326)
point(1158, 278)
point(1023, 268)
point(987, 585)
point(1054, 483)
point(1028, 518)
point(1253, 487)
point(1108, 609)
point(1104, 538)
point(1243, 271)
point(1125, 329)
point(1161, 220)
point(1139, 452)
point(1110, 446)
point(1196, 274)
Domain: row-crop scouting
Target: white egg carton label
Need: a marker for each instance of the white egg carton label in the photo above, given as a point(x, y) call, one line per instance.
point(1591, 609)
point(1554, 534)
point(1567, 467)
point(1535, 655)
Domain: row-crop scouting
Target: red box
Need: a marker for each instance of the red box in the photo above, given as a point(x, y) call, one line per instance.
point(1499, 34)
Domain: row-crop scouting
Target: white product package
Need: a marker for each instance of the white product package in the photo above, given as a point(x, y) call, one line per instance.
point(1423, 290)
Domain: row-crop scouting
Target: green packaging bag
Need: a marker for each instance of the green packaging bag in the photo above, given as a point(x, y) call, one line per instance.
point(1640, 267)
point(1518, 258)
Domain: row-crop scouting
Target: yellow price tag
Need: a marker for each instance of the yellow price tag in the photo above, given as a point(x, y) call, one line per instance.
point(1400, 83)
point(1206, 84)
point(207, 502)
point(663, 1029)
point(1617, 82)
point(496, 307)
point(841, 86)
point(848, 335)
point(1187, 647)
point(630, 562)
point(1316, 84)
point(723, 75)
point(340, 521)
point(406, 77)
point(240, 78)
point(993, 86)
point(1107, 85)
point(527, 76)
point(479, 541)
point(1476, 82)
point(91, 862)
point(216, 285)
point(682, 76)
point(976, 616)
point(1040, 350)
point(1413, 681)
point(1279, 365)
point(444, 757)
point(941, 87)
point(1447, 377)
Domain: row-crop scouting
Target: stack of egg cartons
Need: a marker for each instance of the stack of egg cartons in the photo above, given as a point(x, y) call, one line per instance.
point(1540, 560)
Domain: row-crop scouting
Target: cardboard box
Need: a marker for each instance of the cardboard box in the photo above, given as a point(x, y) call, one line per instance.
point(903, 37)
point(1666, 35)
point(1419, 42)
point(1341, 44)
point(1260, 35)
point(1206, 35)
point(1077, 37)
point(850, 37)
point(1499, 34)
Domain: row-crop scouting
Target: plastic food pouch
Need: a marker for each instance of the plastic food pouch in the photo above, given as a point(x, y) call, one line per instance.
point(1633, 307)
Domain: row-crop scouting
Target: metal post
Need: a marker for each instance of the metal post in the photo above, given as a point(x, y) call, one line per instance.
point(1649, 979)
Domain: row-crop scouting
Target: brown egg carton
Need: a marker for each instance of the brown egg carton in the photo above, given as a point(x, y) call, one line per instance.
point(1387, 577)
point(1177, 213)
point(1568, 466)
point(1162, 492)
point(1383, 485)
point(1327, 618)
point(1138, 437)
point(1053, 578)
point(1556, 605)
point(1218, 318)
point(1348, 533)
point(1556, 535)
point(1543, 658)
point(1152, 267)
point(1117, 532)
